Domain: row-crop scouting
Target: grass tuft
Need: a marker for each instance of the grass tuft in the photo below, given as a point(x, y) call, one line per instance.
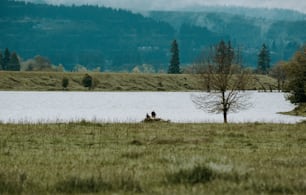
point(279, 189)
point(198, 174)
point(273, 188)
point(204, 174)
point(132, 155)
point(12, 183)
point(128, 184)
point(96, 185)
point(136, 143)
point(82, 185)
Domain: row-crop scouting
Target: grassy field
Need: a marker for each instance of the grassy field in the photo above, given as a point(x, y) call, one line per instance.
point(52, 81)
point(156, 158)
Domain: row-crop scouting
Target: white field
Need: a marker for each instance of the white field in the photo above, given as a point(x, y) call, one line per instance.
point(50, 107)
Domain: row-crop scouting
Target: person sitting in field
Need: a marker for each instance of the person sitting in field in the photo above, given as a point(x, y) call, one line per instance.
point(148, 117)
point(153, 118)
point(153, 114)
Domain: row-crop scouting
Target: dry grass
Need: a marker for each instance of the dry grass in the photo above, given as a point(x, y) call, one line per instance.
point(154, 158)
point(52, 81)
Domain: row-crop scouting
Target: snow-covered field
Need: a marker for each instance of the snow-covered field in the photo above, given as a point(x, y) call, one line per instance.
point(34, 107)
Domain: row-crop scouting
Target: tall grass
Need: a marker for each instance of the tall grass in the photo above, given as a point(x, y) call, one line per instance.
point(160, 158)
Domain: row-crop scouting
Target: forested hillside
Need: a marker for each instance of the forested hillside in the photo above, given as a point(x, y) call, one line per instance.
point(248, 31)
point(119, 40)
point(91, 36)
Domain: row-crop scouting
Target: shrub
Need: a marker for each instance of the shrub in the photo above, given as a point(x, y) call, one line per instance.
point(87, 81)
point(65, 83)
point(204, 174)
point(199, 174)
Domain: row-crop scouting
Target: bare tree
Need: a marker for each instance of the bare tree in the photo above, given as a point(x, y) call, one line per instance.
point(225, 80)
point(279, 73)
point(203, 67)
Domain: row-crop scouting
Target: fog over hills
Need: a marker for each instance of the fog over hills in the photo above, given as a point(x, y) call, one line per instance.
point(116, 39)
point(175, 5)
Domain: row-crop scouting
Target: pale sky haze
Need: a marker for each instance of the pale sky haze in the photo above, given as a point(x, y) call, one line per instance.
point(143, 5)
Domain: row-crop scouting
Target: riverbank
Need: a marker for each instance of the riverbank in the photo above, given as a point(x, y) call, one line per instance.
point(300, 110)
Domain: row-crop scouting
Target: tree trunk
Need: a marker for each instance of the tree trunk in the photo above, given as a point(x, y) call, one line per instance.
point(224, 107)
point(225, 116)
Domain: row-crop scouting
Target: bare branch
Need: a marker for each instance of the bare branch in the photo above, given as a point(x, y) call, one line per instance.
point(212, 102)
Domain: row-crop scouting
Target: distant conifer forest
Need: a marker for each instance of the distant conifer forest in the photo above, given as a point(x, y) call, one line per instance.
point(119, 40)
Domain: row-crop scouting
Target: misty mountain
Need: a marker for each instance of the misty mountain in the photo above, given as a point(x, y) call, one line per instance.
point(283, 36)
point(117, 40)
point(264, 13)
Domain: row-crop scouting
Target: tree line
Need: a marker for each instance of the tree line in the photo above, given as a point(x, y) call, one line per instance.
point(291, 76)
point(263, 64)
point(119, 40)
point(9, 61)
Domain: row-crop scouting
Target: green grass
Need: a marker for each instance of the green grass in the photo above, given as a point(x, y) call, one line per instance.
point(52, 81)
point(154, 158)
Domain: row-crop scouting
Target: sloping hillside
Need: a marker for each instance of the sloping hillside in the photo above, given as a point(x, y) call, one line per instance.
point(92, 36)
point(119, 40)
point(248, 31)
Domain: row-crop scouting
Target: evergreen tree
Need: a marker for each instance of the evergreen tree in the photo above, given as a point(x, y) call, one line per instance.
point(87, 81)
point(6, 59)
point(263, 64)
point(14, 64)
point(174, 67)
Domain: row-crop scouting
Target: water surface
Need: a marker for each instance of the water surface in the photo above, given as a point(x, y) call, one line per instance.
point(49, 107)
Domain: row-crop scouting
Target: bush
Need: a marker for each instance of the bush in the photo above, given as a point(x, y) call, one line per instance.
point(199, 174)
point(65, 82)
point(87, 81)
point(204, 174)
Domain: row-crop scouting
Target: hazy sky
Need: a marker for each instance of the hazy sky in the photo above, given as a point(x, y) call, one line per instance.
point(299, 5)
